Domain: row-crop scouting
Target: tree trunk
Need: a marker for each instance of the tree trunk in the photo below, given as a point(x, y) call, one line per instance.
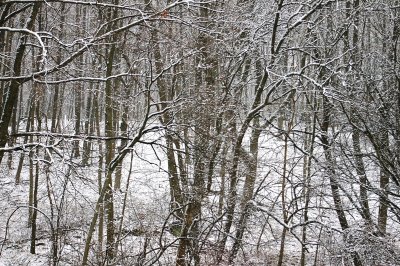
point(77, 119)
point(251, 176)
point(248, 189)
point(124, 133)
point(205, 82)
point(327, 112)
point(28, 126)
point(283, 190)
point(100, 171)
point(34, 208)
point(13, 90)
point(109, 149)
point(35, 184)
point(383, 184)
point(14, 130)
point(166, 95)
point(360, 169)
point(326, 119)
point(110, 144)
point(88, 128)
point(309, 148)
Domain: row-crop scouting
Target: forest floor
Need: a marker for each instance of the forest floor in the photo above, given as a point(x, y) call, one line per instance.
point(67, 192)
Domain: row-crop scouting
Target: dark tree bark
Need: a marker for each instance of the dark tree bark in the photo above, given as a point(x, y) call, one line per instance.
point(12, 92)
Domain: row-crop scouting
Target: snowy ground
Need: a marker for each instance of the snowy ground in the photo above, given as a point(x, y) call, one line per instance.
point(73, 190)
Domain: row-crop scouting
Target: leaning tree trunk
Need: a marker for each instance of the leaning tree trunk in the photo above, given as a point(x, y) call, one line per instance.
point(327, 109)
point(251, 176)
point(164, 93)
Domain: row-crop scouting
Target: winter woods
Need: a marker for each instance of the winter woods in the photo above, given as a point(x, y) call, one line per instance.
point(199, 132)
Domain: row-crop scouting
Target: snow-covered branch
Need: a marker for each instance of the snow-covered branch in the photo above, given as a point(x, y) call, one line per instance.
point(30, 32)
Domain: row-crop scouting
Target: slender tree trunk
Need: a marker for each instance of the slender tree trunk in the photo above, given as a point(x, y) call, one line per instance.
point(78, 88)
point(56, 90)
point(283, 192)
point(55, 111)
point(14, 130)
point(38, 98)
point(34, 208)
point(360, 169)
point(251, 176)
point(165, 95)
point(326, 119)
point(88, 128)
point(309, 147)
point(248, 189)
point(383, 185)
point(110, 144)
point(124, 133)
point(31, 165)
point(100, 172)
point(77, 119)
point(222, 174)
point(29, 123)
point(124, 206)
point(327, 112)
point(109, 149)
